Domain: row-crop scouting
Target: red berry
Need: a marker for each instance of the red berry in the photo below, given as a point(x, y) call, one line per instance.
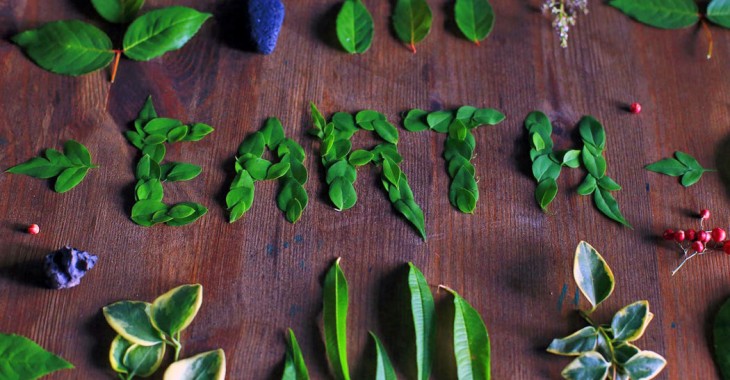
point(635, 108)
point(679, 236)
point(718, 234)
point(33, 229)
point(726, 247)
point(668, 234)
point(703, 236)
point(705, 214)
point(690, 234)
point(698, 246)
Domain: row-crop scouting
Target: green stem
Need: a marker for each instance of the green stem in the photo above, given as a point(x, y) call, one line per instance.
point(177, 345)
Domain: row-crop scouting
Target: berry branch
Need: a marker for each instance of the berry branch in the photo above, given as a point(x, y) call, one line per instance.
point(693, 243)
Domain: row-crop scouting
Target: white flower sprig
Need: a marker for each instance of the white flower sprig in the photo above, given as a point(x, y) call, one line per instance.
point(564, 14)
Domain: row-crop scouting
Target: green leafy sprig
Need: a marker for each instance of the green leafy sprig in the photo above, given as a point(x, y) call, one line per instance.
point(683, 165)
point(23, 358)
point(251, 167)
point(459, 146)
point(341, 162)
point(294, 366)
point(606, 351)
point(74, 47)
point(677, 14)
point(475, 18)
point(355, 27)
point(69, 167)
point(412, 21)
point(150, 135)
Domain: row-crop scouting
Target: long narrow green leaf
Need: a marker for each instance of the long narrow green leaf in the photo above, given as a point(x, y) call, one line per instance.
point(423, 311)
point(412, 21)
point(471, 341)
point(294, 366)
point(383, 367)
point(475, 18)
point(355, 27)
point(335, 321)
point(665, 14)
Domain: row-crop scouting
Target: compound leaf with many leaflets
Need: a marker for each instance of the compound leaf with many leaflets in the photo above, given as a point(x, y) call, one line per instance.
point(22, 358)
point(70, 167)
point(683, 165)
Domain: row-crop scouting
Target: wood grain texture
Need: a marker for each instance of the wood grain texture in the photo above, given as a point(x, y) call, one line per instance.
point(262, 275)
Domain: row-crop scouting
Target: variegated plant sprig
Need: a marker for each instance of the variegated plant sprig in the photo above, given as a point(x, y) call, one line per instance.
point(458, 148)
point(341, 162)
point(606, 351)
point(146, 329)
point(251, 167)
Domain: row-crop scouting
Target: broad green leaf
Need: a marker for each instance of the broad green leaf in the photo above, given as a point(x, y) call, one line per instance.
point(545, 192)
point(69, 178)
point(355, 27)
point(131, 320)
point(37, 167)
point(77, 153)
point(592, 132)
point(471, 341)
point(160, 31)
point(721, 339)
point(293, 211)
point(67, 47)
point(570, 158)
point(294, 366)
point(665, 14)
point(588, 366)
point(440, 121)
point(608, 184)
point(386, 131)
point(200, 210)
point(143, 361)
point(342, 194)
point(156, 152)
point(688, 160)
point(335, 321)
point(423, 311)
point(173, 311)
point(278, 170)
point(719, 12)
point(344, 122)
point(412, 21)
point(143, 213)
point(415, 120)
point(258, 168)
point(583, 340)
point(391, 171)
point(383, 367)
point(607, 205)
point(161, 126)
point(155, 139)
point(595, 165)
point(624, 351)
point(292, 199)
point(668, 166)
point(147, 169)
point(588, 186)
point(180, 211)
point(117, 11)
point(22, 358)
point(691, 177)
point(360, 157)
point(209, 365)
point(475, 18)
point(178, 134)
point(273, 132)
point(645, 365)
point(179, 171)
point(254, 144)
point(544, 168)
point(198, 131)
point(629, 323)
point(487, 116)
point(341, 169)
point(465, 114)
point(117, 350)
point(592, 275)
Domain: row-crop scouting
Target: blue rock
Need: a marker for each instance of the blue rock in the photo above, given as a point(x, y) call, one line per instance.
point(65, 267)
point(266, 18)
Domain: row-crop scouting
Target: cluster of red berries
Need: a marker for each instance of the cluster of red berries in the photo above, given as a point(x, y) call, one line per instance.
point(699, 241)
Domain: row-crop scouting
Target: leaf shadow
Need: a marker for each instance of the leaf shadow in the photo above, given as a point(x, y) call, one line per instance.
point(722, 163)
point(28, 272)
point(712, 311)
point(235, 27)
point(85, 8)
point(230, 174)
point(450, 22)
point(103, 335)
point(395, 321)
point(365, 368)
point(444, 348)
point(324, 26)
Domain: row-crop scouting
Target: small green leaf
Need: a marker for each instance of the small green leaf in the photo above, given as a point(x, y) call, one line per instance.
point(178, 134)
point(592, 132)
point(147, 112)
point(665, 14)
point(147, 169)
point(150, 189)
point(668, 166)
point(294, 366)
point(278, 170)
point(161, 126)
point(180, 211)
point(423, 311)
point(413, 213)
point(160, 31)
point(199, 209)
point(595, 165)
point(645, 365)
point(342, 194)
point(335, 321)
point(592, 275)
point(719, 12)
point(721, 339)
point(588, 186)
point(606, 203)
point(67, 47)
point(117, 11)
point(471, 341)
point(415, 120)
point(355, 27)
point(22, 358)
point(691, 177)
point(360, 157)
point(254, 144)
point(292, 200)
point(608, 184)
point(143, 212)
point(37, 167)
point(475, 18)
point(439, 121)
point(117, 350)
point(583, 340)
point(131, 320)
point(156, 152)
point(317, 119)
point(571, 158)
point(273, 132)
point(209, 365)
point(77, 153)
point(383, 367)
point(487, 116)
point(173, 311)
point(143, 361)
point(391, 171)
point(179, 171)
point(412, 21)
point(341, 169)
point(545, 192)
point(198, 131)
point(624, 351)
point(538, 143)
point(386, 131)
point(588, 366)
point(629, 323)
point(69, 178)
point(258, 168)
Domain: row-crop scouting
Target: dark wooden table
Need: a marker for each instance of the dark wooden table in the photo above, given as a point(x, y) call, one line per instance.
point(262, 274)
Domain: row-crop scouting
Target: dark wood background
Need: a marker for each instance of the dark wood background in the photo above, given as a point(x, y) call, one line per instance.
point(262, 274)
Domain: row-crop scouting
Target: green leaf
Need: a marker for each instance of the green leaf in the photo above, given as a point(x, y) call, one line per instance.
point(117, 350)
point(538, 143)
point(487, 116)
point(592, 275)
point(607, 205)
point(147, 169)
point(147, 112)
point(645, 365)
point(354, 27)
point(391, 171)
point(629, 323)
point(209, 365)
point(667, 166)
point(719, 12)
point(691, 177)
point(144, 210)
point(37, 167)
point(440, 121)
point(117, 11)
point(254, 144)
point(69, 178)
point(160, 31)
point(413, 213)
point(665, 14)
point(342, 194)
point(588, 186)
point(360, 157)
point(386, 131)
point(199, 210)
point(423, 311)
point(278, 170)
point(624, 351)
point(67, 47)
point(294, 366)
point(335, 321)
point(258, 168)
point(545, 192)
point(150, 189)
point(608, 184)
point(22, 358)
point(592, 132)
point(317, 119)
point(143, 361)
point(180, 211)
point(475, 18)
point(383, 367)
point(595, 165)
point(179, 171)
point(688, 160)
point(178, 134)
point(198, 131)
point(412, 21)
point(173, 311)
point(161, 126)
point(77, 153)
point(156, 152)
point(471, 341)
point(588, 366)
point(341, 169)
point(273, 132)
point(240, 196)
point(131, 320)
point(71, 166)
point(415, 120)
point(721, 339)
point(544, 168)
point(571, 158)
point(583, 340)
point(292, 199)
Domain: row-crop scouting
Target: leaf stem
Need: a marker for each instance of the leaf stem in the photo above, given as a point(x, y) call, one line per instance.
point(117, 56)
point(708, 33)
point(412, 47)
point(683, 262)
point(178, 347)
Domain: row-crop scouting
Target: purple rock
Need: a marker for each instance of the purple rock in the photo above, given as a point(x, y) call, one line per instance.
point(65, 267)
point(265, 17)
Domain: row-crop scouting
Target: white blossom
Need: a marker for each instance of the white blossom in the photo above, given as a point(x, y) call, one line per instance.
point(564, 13)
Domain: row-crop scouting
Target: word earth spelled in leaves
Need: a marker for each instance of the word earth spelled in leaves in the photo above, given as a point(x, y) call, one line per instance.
point(471, 345)
point(74, 47)
point(676, 14)
point(606, 351)
point(145, 329)
point(70, 167)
